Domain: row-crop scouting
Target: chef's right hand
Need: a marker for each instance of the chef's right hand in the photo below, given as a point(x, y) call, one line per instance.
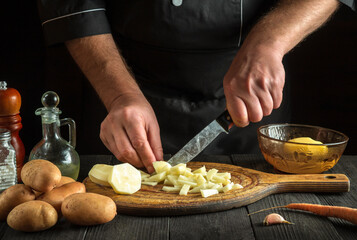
point(254, 83)
point(131, 131)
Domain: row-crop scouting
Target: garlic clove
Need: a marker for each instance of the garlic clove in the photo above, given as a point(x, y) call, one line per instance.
point(274, 218)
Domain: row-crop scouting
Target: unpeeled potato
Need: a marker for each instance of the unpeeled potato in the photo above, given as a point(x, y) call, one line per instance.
point(14, 196)
point(41, 175)
point(64, 180)
point(32, 216)
point(56, 196)
point(88, 209)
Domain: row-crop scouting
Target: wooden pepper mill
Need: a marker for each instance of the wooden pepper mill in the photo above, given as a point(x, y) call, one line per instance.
point(10, 103)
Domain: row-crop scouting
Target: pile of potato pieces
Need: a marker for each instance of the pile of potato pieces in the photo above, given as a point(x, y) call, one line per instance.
point(181, 179)
point(46, 195)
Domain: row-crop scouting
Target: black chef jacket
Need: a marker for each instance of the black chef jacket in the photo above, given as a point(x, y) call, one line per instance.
point(179, 52)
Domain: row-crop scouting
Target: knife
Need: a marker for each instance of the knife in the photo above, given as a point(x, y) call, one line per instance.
point(222, 124)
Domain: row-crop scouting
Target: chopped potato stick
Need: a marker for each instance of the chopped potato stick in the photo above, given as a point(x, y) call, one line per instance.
point(208, 192)
point(211, 173)
point(179, 169)
point(237, 186)
point(171, 189)
point(200, 180)
point(157, 177)
point(149, 183)
point(184, 190)
point(201, 170)
point(183, 182)
point(198, 188)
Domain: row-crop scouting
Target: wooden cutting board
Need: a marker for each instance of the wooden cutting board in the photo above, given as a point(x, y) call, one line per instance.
point(152, 201)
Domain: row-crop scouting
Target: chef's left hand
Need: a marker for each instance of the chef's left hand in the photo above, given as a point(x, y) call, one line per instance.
point(254, 83)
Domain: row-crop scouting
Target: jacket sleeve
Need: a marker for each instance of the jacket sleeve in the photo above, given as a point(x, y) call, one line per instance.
point(350, 3)
point(64, 20)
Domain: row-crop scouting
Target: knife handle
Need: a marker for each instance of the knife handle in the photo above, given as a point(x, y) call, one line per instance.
point(225, 120)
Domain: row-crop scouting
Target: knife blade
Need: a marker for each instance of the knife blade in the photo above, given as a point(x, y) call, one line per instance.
point(221, 124)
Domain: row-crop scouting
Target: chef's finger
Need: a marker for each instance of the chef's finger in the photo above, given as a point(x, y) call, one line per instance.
point(238, 111)
point(265, 100)
point(254, 109)
point(126, 151)
point(276, 87)
point(155, 141)
point(105, 142)
point(277, 97)
point(110, 145)
point(108, 140)
point(139, 141)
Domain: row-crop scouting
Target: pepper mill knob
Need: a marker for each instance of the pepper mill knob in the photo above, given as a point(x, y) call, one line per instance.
point(50, 99)
point(10, 100)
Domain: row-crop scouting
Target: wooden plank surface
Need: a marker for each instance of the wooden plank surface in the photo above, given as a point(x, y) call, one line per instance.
point(348, 166)
point(307, 225)
point(131, 228)
point(231, 224)
point(62, 230)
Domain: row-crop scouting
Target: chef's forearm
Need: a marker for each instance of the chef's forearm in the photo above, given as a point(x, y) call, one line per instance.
point(99, 59)
point(290, 22)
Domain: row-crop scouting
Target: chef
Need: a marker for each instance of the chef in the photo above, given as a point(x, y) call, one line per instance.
point(164, 69)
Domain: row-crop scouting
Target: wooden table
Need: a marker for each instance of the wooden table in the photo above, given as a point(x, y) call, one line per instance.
point(231, 224)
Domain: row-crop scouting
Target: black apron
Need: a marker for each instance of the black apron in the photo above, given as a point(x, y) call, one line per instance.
point(179, 56)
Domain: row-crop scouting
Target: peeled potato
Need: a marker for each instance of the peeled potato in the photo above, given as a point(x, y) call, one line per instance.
point(99, 174)
point(161, 166)
point(291, 147)
point(125, 179)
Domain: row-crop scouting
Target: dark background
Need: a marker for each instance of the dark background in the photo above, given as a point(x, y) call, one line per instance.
point(322, 72)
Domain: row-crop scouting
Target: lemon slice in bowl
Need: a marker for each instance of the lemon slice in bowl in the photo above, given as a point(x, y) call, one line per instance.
point(99, 174)
point(125, 179)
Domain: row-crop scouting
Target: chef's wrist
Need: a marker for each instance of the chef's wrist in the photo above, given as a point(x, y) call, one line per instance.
point(123, 98)
point(272, 47)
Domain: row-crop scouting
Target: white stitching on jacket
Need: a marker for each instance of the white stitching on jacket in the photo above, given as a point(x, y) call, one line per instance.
point(241, 22)
point(71, 14)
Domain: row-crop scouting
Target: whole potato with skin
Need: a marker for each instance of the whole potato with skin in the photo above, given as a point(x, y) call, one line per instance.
point(56, 196)
point(32, 216)
point(41, 175)
point(14, 196)
point(64, 180)
point(37, 193)
point(88, 209)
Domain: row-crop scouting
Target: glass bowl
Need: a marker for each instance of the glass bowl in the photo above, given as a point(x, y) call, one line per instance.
point(291, 157)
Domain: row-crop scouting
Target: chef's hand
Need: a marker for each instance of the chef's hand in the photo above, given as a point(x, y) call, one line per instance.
point(131, 132)
point(254, 84)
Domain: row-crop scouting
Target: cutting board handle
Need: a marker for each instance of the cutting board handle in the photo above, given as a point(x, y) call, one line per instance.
point(312, 183)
